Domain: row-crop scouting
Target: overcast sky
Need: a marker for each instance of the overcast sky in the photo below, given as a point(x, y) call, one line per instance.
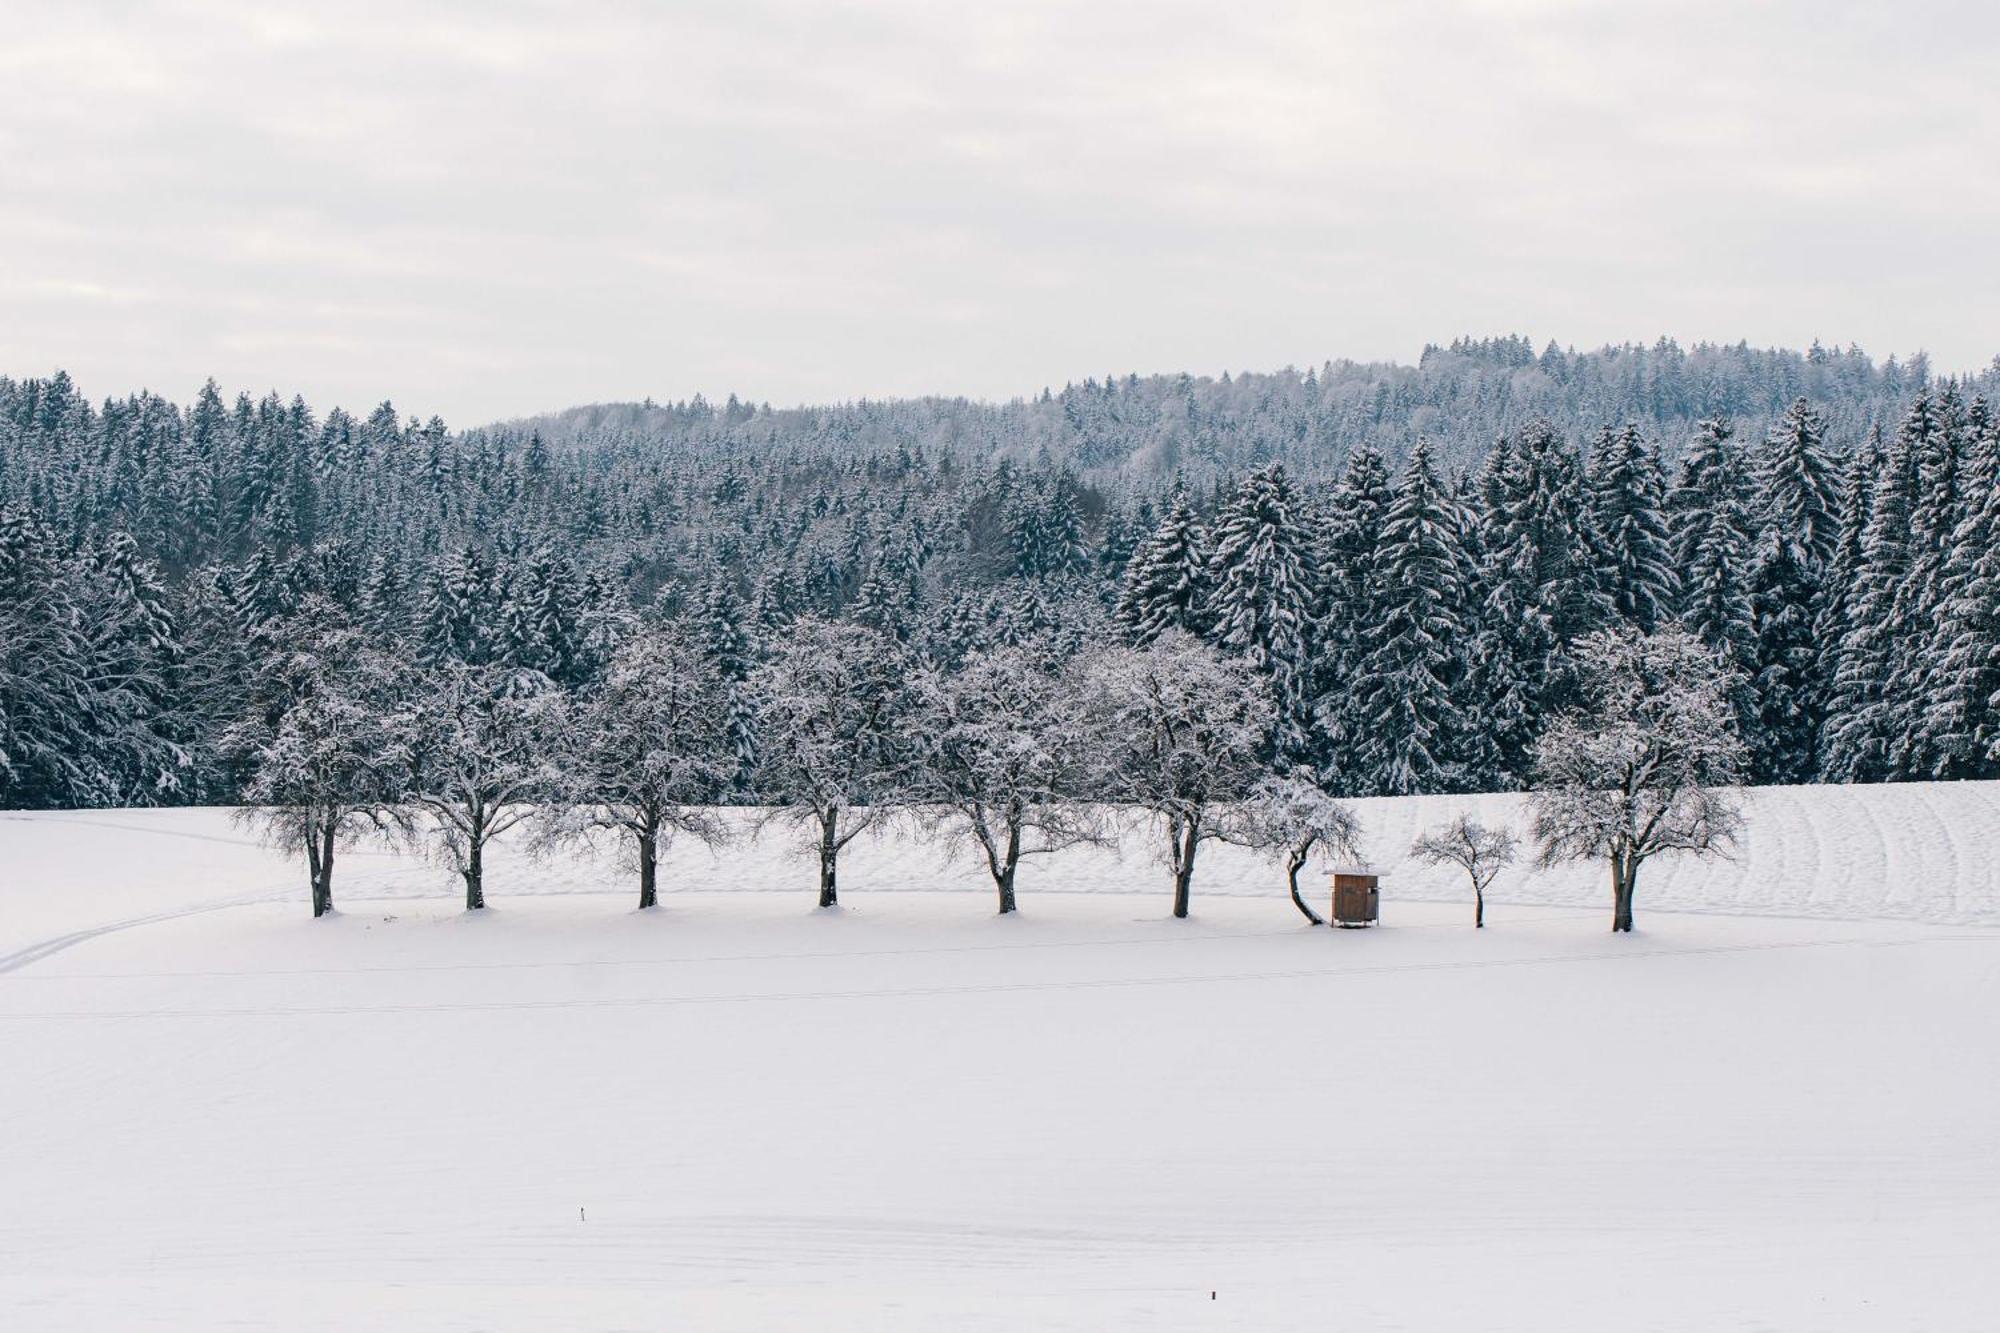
point(497, 208)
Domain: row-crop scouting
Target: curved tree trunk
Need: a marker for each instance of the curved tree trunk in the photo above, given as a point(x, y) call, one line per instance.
point(1292, 867)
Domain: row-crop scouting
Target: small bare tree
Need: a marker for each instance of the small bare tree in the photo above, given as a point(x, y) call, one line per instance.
point(1289, 819)
point(1481, 852)
point(1641, 769)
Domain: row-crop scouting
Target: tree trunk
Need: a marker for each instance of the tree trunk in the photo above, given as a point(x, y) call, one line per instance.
point(1005, 879)
point(475, 888)
point(323, 899)
point(1478, 906)
point(1184, 865)
point(1628, 881)
point(649, 860)
point(829, 857)
point(1292, 867)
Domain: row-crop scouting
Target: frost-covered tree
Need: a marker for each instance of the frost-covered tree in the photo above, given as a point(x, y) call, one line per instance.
point(1482, 852)
point(1176, 728)
point(1710, 526)
point(1543, 585)
point(323, 741)
point(1166, 582)
point(650, 752)
point(544, 630)
point(484, 746)
point(997, 762)
point(1799, 484)
point(1415, 727)
point(1290, 819)
point(832, 704)
point(1627, 497)
point(456, 622)
point(1963, 718)
point(1642, 767)
point(1860, 727)
point(1261, 599)
point(52, 751)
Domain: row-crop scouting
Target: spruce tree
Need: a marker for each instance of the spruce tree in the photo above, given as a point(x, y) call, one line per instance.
point(1166, 584)
point(1627, 492)
point(1415, 729)
point(1260, 601)
point(1348, 549)
point(1859, 730)
point(1709, 525)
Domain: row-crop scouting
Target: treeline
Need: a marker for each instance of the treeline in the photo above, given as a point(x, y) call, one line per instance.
point(1413, 623)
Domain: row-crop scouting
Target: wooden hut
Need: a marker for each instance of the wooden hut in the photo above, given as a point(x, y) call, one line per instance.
point(1357, 895)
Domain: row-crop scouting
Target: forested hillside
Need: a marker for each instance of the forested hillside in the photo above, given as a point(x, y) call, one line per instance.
point(1404, 555)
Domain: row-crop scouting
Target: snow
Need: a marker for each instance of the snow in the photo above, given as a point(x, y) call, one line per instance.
point(1769, 1108)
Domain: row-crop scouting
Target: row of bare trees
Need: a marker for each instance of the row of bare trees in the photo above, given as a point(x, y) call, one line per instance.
point(1018, 751)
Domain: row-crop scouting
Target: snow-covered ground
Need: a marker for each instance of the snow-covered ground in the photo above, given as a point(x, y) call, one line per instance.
point(1772, 1108)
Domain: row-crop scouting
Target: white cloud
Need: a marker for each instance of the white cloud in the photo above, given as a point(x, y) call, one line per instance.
point(487, 209)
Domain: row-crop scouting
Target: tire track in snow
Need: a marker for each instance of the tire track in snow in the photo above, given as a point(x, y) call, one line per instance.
point(34, 953)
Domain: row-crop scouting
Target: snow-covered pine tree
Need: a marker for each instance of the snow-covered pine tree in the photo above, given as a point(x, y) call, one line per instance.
point(454, 622)
point(1543, 585)
point(1964, 650)
point(1627, 495)
point(1261, 599)
point(135, 661)
point(1166, 583)
point(731, 656)
point(1414, 723)
point(1498, 678)
point(50, 752)
point(1799, 485)
point(1937, 427)
point(1798, 535)
point(542, 629)
point(1709, 527)
point(1859, 725)
point(1785, 661)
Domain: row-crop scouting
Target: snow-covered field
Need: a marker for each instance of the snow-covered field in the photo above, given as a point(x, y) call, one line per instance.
point(1774, 1107)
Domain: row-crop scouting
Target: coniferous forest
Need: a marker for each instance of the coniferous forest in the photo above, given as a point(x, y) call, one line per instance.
point(1405, 558)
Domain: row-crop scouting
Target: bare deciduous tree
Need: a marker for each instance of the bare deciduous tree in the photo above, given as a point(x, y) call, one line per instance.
point(1642, 768)
point(1000, 766)
point(324, 752)
point(484, 752)
point(829, 707)
point(651, 752)
point(1176, 730)
point(1289, 819)
point(1481, 852)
